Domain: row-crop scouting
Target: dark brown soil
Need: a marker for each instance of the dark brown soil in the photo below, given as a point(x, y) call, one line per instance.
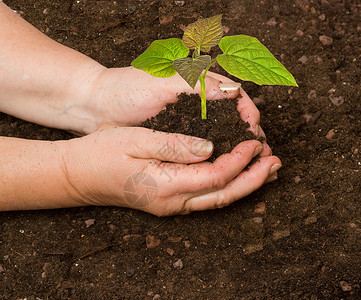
point(298, 237)
point(223, 126)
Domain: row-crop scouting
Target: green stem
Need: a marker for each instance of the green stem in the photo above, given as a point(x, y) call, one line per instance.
point(203, 97)
point(202, 80)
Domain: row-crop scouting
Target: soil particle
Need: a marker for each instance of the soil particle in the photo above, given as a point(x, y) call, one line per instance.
point(303, 59)
point(46, 267)
point(128, 237)
point(326, 40)
point(89, 222)
point(330, 134)
point(257, 220)
point(249, 249)
point(178, 264)
point(345, 286)
point(187, 244)
point(170, 251)
point(281, 234)
point(163, 20)
point(337, 101)
point(152, 241)
point(260, 208)
point(297, 179)
point(175, 239)
point(179, 3)
point(272, 22)
point(312, 94)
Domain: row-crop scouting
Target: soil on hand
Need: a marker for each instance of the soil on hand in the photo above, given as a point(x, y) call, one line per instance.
point(297, 238)
point(223, 126)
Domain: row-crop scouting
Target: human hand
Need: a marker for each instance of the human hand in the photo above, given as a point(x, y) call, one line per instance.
point(128, 96)
point(160, 173)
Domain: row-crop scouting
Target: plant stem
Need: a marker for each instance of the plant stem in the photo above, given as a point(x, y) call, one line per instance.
point(202, 80)
point(203, 97)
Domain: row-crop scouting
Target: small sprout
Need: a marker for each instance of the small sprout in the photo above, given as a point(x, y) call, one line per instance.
point(243, 57)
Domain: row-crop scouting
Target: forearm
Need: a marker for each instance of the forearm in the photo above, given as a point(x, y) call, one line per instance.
point(39, 78)
point(34, 176)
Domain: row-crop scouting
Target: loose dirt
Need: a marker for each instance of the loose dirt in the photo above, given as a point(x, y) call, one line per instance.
point(223, 126)
point(298, 237)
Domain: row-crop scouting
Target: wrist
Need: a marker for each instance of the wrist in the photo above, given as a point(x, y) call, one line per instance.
point(80, 112)
point(73, 170)
point(88, 182)
point(105, 101)
point(97, 99)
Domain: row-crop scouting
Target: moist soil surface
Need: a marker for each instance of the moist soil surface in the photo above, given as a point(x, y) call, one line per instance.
point(298, 237)
point(223, 126)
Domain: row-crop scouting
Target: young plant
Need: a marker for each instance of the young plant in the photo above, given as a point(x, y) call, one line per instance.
point(243, 57)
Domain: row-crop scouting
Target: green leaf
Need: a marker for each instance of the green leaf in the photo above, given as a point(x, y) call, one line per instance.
point(158, 59)
point(203, 34)
point(191, 68)
point(247, 59)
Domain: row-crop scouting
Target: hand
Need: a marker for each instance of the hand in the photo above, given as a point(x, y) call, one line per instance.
point(128, 96)
point(160, 173)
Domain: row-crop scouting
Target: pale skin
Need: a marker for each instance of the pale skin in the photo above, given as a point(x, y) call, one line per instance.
point(44, 82)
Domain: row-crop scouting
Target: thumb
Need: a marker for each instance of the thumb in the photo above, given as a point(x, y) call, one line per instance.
point(179, 148)
point(219, 87)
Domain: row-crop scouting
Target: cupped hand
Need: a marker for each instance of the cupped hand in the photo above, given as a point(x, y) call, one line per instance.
point(128, 96)
point(161, 173)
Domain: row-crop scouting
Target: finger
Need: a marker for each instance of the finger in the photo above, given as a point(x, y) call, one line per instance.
point(176, 85)
point(271, 177)
point(227, 88)
point(204, 177)
point(218, 89)
point(148, 144)
point(249, 112)
point(246, 183)
point(267, 151)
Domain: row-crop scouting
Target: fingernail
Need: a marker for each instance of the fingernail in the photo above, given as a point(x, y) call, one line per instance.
point(257, 151)
point(202, 147)
point(274, 168)
point(229, 86)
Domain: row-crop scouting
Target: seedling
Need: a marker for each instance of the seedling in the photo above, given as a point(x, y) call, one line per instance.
point(243, 57)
